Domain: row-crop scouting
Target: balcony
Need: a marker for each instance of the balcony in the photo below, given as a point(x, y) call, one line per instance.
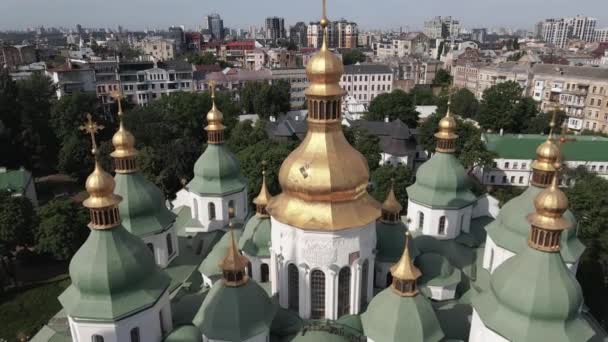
point(579, 92)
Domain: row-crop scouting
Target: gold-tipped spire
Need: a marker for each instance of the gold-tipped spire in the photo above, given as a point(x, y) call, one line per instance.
point(215, 128)
point(261, 201)
point(446, 135)
point(405, 273)
point(391, 208)
point(547, 154)
point(234, 264)
point(124, 153)
point(102, 202)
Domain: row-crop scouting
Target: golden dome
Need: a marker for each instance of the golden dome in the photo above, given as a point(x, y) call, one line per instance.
point(391, 204)
point(214, 119)
point(447, 127)
point(550, 206)
point(264, 196)
point(124, 143)
point(100, 186)
point(234, 263)
point(405, 269)
point(547, 154)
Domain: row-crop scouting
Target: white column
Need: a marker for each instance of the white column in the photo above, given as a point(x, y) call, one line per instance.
point(331, 294)
point(305, 293)
point(274, 273)
point(356, 293)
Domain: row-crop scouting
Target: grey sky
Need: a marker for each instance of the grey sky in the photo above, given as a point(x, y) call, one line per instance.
point(138, 14)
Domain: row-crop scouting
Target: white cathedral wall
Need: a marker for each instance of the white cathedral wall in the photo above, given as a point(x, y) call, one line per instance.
point(199, 208)
point(325, 251)
point(382, 270)
point(147, 321)
point(480, 333)
point(263, 337)
point(440, 293)
point(161, 250)
point(389, 159)
point(457, 221)
point(256, 267)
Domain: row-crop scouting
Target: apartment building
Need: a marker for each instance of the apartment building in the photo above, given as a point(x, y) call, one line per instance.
point(491, 75)
point(466, 76)
point(582, 92)
point(442, 27)
point(341, 34)
point(296, 77)
point(601, 35)
point(366, 81)
point(275, 28)
point(559, 31)
point(161, 49)
point(71, 78)
point(413, 43)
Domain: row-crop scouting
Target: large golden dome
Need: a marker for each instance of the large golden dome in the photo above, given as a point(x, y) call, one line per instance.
point(124, 143)
point(547, 155)
point(100, 186)
point(550, 204)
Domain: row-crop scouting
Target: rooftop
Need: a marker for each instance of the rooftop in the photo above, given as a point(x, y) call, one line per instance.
point(367, 69)
point(571, 71)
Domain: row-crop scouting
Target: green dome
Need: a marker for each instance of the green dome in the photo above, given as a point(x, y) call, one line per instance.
point(113, 275)
point(235, 313)
point(390, 317)
point(143, 210)
point(217, 172)
point(256, 237)
point(390, 240)
point(442, 182)
point(534, 297)
point(437, 270)
point(185, 333)
point(511, 228)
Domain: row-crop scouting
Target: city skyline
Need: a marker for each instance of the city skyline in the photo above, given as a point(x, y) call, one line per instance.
point(387, 14)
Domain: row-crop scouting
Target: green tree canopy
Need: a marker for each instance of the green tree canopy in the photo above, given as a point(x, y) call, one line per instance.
point(382, 178)
point(504, 107)
point(266, 99)
point(464, 103)
point(245, 134)
point(395, 105)
point(540, 123)
point(443, 78)
point(17, 220)
point(423, 96)
point(62, 229)
point(353, 56)
point(366, 143)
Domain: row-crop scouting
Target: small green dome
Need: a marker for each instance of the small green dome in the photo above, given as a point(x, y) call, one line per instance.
point(113, 275)
point(217, 172)
point(256, 237)
point(390, 317)
point(235, 313)
point(143, 210)
point(511, 228)
point(437, 270)
point(185, 333)
point(534, 297)
point(442, 182)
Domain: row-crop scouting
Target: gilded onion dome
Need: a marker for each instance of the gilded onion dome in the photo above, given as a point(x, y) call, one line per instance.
point(547, 155)
point(405, 273)
point(446, 134)
point(324, 181)
point(215, 128)
point(391, 208)
point(233, 265)
point(261, 201)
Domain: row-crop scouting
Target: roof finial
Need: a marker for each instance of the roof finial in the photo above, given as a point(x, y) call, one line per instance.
point(261, 201)
point(124, 143)
point(234, 263)
point(405, 273)
point(324, 23)
point(118, 98)
point(92, 128)
point(215, 128)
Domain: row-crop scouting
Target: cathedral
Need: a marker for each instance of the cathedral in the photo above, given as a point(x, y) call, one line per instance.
point(322, 260)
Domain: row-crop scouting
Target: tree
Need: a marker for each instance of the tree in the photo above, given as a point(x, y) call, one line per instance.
point(63, 228)
point(504, 107)
point(443, 78)
point(266, 99)
point(382, 178)
point(206, 58)
point(395, 105)
point(9, 121)
point(367, 144)
point(540, 123)
point(464, 103)
point(245, 134)
point(423, 96)
point(17, 220)
point(353, 56)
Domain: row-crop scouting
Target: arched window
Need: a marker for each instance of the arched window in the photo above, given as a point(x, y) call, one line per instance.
point(97, 338)
point(211, 211)
point(249, 269)
point(135, 335)
point(461, 222)
point(389, 279)
point(293, 285)
point(195, 207)
point(231, 209)
point(364, 281)
point(317, 294)
point(420, 220)
point(441, 225)
point(344, 291)
point(169, 245)
point(265, 273)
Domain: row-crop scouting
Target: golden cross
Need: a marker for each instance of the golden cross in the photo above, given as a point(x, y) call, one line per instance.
point(212, 85)
point(91, 127)
point(118, 97)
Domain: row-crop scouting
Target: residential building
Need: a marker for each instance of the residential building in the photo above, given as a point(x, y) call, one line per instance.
point(18, 183)
point(366, 81)
point(177, 34)
point(442, 27)
point(282, 59)
point(411, 71)
point(479, 34)
point(161, 49)
point(298, 81)
point(71, 78)
point(107, 80)
point(491, 75)
point(515, 154)
point(275, 29)
point(559, 31)
point(341, 35)
point(413, 43)
point(255, 59)
point(297, 34)
point(601, 35)
point(12, 56)
point(214, 24)
point(582, 92)
point(466, 76)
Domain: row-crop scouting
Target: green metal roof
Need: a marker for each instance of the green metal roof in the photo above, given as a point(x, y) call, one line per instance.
point(390, 240)
point(113, 275)
point(15, 180)
point(523, 146)
point(437, 271)
point(255, 240)
point(143, 210)
point(442, 182)
point(217, 172)
point(210, 266)
point(390, 317)
point(534, 297)
point(185, 333)
point(511, 228)
point(235, 313)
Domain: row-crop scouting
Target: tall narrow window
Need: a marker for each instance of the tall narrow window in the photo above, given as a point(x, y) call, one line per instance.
point(169, 245)
point(135, 335)
point(461, 222)
point(211, 211)
point(420, 220)
point(293, 279)
point(491, 259)
point(389, 279)
point(162, 324)
point(364, 281)
point(249, 269)
point(317, 294)
point(265, 273)
point(195, 208)
point(97, 338)
point(442, 225)
point(344, 291)
point(231, 209)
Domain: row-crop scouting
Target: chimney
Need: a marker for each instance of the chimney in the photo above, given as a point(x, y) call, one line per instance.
point(387, 119)
point(502, 132)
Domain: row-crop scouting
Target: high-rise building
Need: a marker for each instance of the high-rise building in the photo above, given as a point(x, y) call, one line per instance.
point(341, 34)
point(275, 28)
point(215, 25)
point(559, 31)
point(298, 35)
point(600, 35)
point(479, 34)
point(442, 27)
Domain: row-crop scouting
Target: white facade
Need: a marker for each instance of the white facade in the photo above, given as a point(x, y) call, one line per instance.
point(480, 333)
point(150, 325)
point(258, 268)
point(312, 252)
point(440, 293)
point(263, 337)
point(364, 86)
point(142, 87)
point(159, 245)
point(212, 211)
point(441, 224)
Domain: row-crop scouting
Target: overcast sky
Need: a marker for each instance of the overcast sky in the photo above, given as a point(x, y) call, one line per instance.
point(139, 14)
